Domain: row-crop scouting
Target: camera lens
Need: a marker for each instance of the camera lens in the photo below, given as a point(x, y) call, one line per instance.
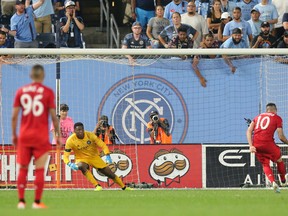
point(155, 118)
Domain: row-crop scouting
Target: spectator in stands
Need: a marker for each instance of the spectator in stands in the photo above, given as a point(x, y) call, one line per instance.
point(3, 44)
point(246, 7)
point(127, 19)
point(264, 39)
point(238, 23)
point(2, 39)
point(66, 125)
point(285, 21)
point(225, 18)
point(135, 40)
point(179, 6)
point(227, 6)
point(159, 129)
point(214, 18)
point(235, 41)
point(284, 42)
point(143, 11)
point(22, 25)
point(43, 14)
point(181, 41)
point(196, 21)
point(170, 31)
point(8, 7)
point(155, 26)
point(281, 7)
point(105, 131)
point(255, 22)
point(268, 13)
point(208, 43)
point(71, 27)
point(60, 7)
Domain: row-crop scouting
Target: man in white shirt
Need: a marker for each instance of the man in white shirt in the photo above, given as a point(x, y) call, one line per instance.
point(196, 21)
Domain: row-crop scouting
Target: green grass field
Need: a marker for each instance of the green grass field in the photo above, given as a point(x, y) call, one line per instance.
point(150, 202)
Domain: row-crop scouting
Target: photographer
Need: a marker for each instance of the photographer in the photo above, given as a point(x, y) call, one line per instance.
point(105, 131)
point(159, 129)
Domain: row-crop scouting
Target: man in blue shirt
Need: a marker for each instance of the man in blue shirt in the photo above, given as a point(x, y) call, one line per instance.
point(179, 6)
point(22, 25)
point(237, 22)
point(236, 41)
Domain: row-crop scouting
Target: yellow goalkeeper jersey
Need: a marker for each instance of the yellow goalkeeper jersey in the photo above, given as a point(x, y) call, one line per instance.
point(86, 148)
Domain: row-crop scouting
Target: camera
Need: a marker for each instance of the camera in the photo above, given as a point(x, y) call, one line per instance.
point(155, 118)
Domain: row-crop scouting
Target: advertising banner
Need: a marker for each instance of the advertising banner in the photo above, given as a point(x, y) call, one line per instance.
point(230, 166)
point(166, 166)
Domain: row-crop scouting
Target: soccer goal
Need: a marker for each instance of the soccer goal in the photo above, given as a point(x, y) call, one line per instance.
point(209, 147)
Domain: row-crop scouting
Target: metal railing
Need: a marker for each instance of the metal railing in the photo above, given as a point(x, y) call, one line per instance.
point(104, 11)
point(114, 32)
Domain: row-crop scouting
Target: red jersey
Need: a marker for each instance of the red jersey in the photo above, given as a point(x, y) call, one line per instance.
point(265, 126)
point(35, 100)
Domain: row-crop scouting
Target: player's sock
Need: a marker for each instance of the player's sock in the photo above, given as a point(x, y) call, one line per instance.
point(268, 172)
point(281, 170)
point(39, 183)
point(21, 183)
point(90, 178)
point(118, 181)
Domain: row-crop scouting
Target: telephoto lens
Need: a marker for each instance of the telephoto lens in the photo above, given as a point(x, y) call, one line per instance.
point(155, 118)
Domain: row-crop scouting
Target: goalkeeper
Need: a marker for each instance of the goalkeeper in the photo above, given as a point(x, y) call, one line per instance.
point(85, 146)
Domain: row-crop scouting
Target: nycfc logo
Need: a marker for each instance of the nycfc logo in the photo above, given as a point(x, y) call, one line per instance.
point(129, 104)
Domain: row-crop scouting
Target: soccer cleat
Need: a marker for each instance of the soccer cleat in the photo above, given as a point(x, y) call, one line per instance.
point(285, 183)
point(276, 187)
point(21, 205)
point(128, 189)
point(98, 188)
point(38, 206)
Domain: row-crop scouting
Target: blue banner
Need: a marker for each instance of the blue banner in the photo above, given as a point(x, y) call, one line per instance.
point(127, 95)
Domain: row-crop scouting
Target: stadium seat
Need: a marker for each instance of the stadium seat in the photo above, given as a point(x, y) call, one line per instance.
point(47, 40)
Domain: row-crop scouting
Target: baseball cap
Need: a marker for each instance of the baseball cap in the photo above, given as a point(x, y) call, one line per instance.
point(64, 107)
point(255, 9)
point(265, 24)
point(225, 15)
point(136, 24)
point(69, 3)
point(18, 2)
point(286, 33)
point(236, 31)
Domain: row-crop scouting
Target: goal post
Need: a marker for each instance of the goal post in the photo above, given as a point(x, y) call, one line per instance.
point(209, 147)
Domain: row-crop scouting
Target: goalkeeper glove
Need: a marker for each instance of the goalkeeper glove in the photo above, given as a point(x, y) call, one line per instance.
point(73, 166)
point(108, 159)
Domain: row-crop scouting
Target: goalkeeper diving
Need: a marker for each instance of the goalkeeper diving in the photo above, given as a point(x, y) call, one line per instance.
point(85, 146)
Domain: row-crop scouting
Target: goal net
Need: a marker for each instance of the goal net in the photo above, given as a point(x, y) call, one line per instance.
point(209, 147)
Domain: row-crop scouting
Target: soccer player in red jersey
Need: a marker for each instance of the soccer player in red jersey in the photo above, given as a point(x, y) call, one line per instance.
point(36, 102)
point(263, 145)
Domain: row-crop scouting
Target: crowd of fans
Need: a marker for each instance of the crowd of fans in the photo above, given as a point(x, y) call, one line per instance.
point(208, 24)
point(26, 21)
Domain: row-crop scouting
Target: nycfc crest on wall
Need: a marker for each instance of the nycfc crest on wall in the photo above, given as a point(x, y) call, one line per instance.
point(129, 102)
